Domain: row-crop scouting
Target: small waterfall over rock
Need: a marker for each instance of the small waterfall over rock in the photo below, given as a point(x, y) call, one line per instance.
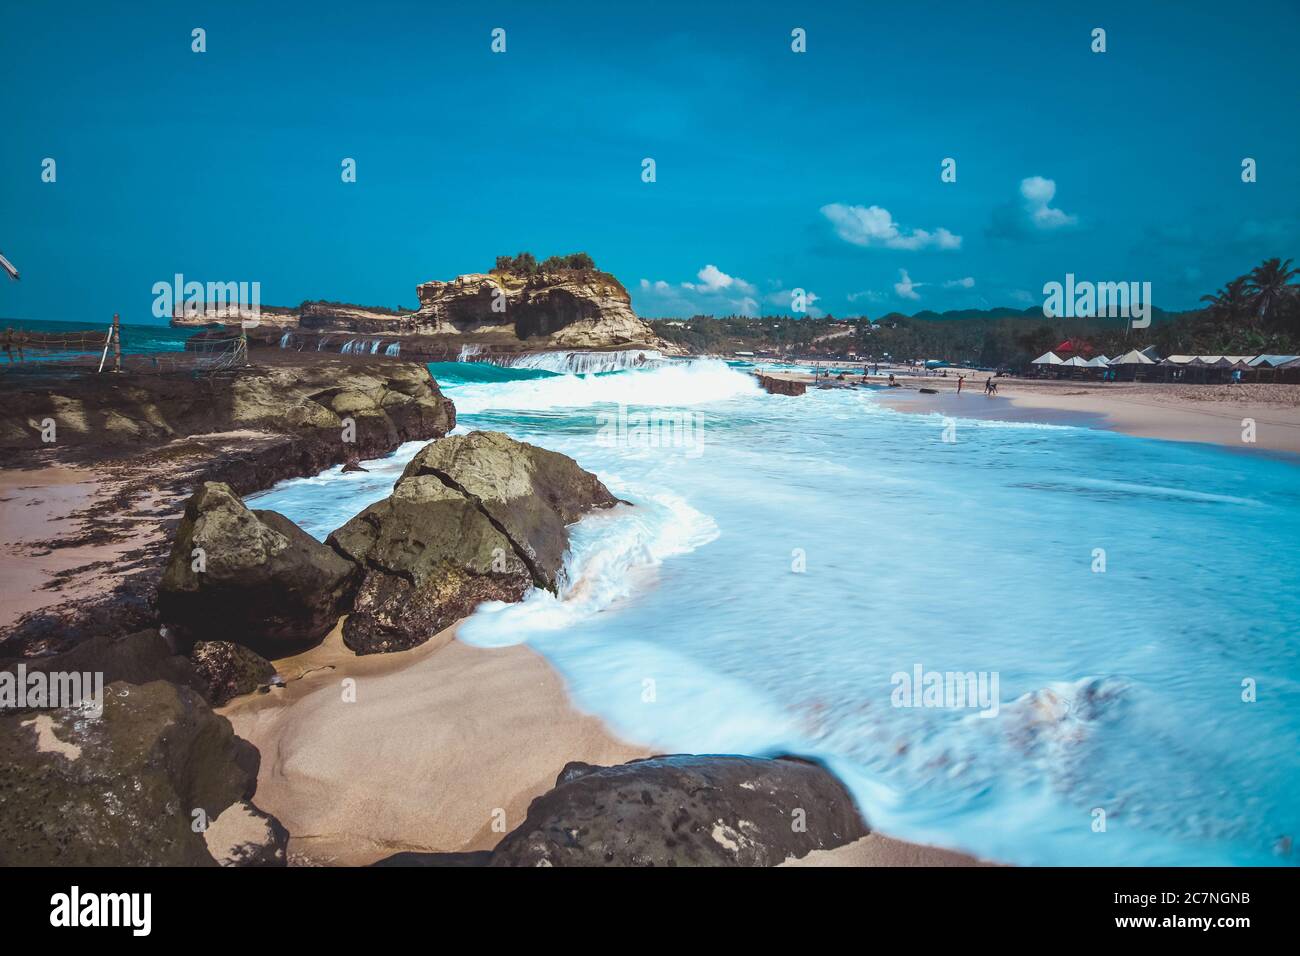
point(585, 363)
point(567, 363)
point(394, 349)
point(286, 339)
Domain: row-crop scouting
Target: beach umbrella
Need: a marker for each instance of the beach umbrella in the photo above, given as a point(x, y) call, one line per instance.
point(1047, 358)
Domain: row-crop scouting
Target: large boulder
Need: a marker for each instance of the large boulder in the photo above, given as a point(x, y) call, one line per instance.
point(530, 493)
point(253, 577)
point(135, 658)
point(473, 518)
point(684, 810)
point(139, 785)
point(227, 670)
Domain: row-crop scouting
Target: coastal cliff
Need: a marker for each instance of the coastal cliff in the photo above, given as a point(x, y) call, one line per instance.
point(568, 308)
point(565, 303)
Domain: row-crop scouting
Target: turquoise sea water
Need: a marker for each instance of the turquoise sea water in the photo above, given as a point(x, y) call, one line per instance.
point(136, 339)
point(778, 570)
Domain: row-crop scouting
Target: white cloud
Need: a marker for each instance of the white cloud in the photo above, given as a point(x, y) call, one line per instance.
point(870, 295)
point(875, 226)
point(966, 283)
point(716, 293)
point(905, 287)
point(713, 279)
point(1038, 194)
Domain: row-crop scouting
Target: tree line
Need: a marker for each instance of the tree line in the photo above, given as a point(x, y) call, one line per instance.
point(526, 264)
point(1258, 312)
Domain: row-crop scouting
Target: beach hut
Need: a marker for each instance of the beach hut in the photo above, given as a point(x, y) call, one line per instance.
point(1045, 361)
point(1132, 362)
point(1271, 365)
point(1132, 357)
point(1272, 361)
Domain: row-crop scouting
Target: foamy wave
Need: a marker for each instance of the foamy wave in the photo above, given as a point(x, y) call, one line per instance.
point(584, 363)
point(611, 553)
point(668, 385)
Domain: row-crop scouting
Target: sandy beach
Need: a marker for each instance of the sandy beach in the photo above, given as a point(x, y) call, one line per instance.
point(54, 551)
point(441, 750)
point(1213, 414)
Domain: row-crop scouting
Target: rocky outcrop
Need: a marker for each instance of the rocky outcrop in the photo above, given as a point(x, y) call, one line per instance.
point(388, 402)
point(252, 577)
point(228, 670)
point(136, 658)
point(566, 309)
point(684, 810)
point(473, 518)
point(138, 786)
point(780, 386)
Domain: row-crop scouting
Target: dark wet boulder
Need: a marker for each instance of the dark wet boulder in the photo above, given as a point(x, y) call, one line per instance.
point(684, 810)
point(473, 518)
point(253, 577)
point(136, 658)
point(228, 670)
point(138, 785)
point(530, 493)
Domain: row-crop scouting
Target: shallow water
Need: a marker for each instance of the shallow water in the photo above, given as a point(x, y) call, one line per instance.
point(778, 569)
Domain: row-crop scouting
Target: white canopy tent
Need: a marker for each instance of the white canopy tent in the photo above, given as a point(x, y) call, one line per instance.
point(1132, 357)
point(1098, 361)
point(1075, 362)
point(1047, 358)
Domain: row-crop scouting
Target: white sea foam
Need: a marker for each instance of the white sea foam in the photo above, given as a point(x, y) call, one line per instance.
point(758, 597)
point(669, 385)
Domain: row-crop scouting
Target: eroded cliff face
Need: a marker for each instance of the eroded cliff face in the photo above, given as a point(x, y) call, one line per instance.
point(568, 309)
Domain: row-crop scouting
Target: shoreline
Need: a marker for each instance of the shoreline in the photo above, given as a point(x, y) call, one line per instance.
point(1203, 414)
point(442, 751)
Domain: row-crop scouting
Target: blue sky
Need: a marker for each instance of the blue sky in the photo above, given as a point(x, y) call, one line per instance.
point(775, 170)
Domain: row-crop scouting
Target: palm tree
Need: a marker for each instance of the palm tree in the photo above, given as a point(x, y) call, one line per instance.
point(1269, 284)
point(1230, 302)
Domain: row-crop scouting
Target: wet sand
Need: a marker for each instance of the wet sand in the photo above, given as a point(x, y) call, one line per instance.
point(38, 507)
point(441, 750)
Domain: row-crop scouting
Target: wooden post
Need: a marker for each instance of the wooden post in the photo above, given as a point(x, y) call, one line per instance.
point(117, 344)
point(243, 338)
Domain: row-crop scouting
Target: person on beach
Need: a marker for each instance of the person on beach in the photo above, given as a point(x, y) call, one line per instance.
point(960, 379)
point(988, 385)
